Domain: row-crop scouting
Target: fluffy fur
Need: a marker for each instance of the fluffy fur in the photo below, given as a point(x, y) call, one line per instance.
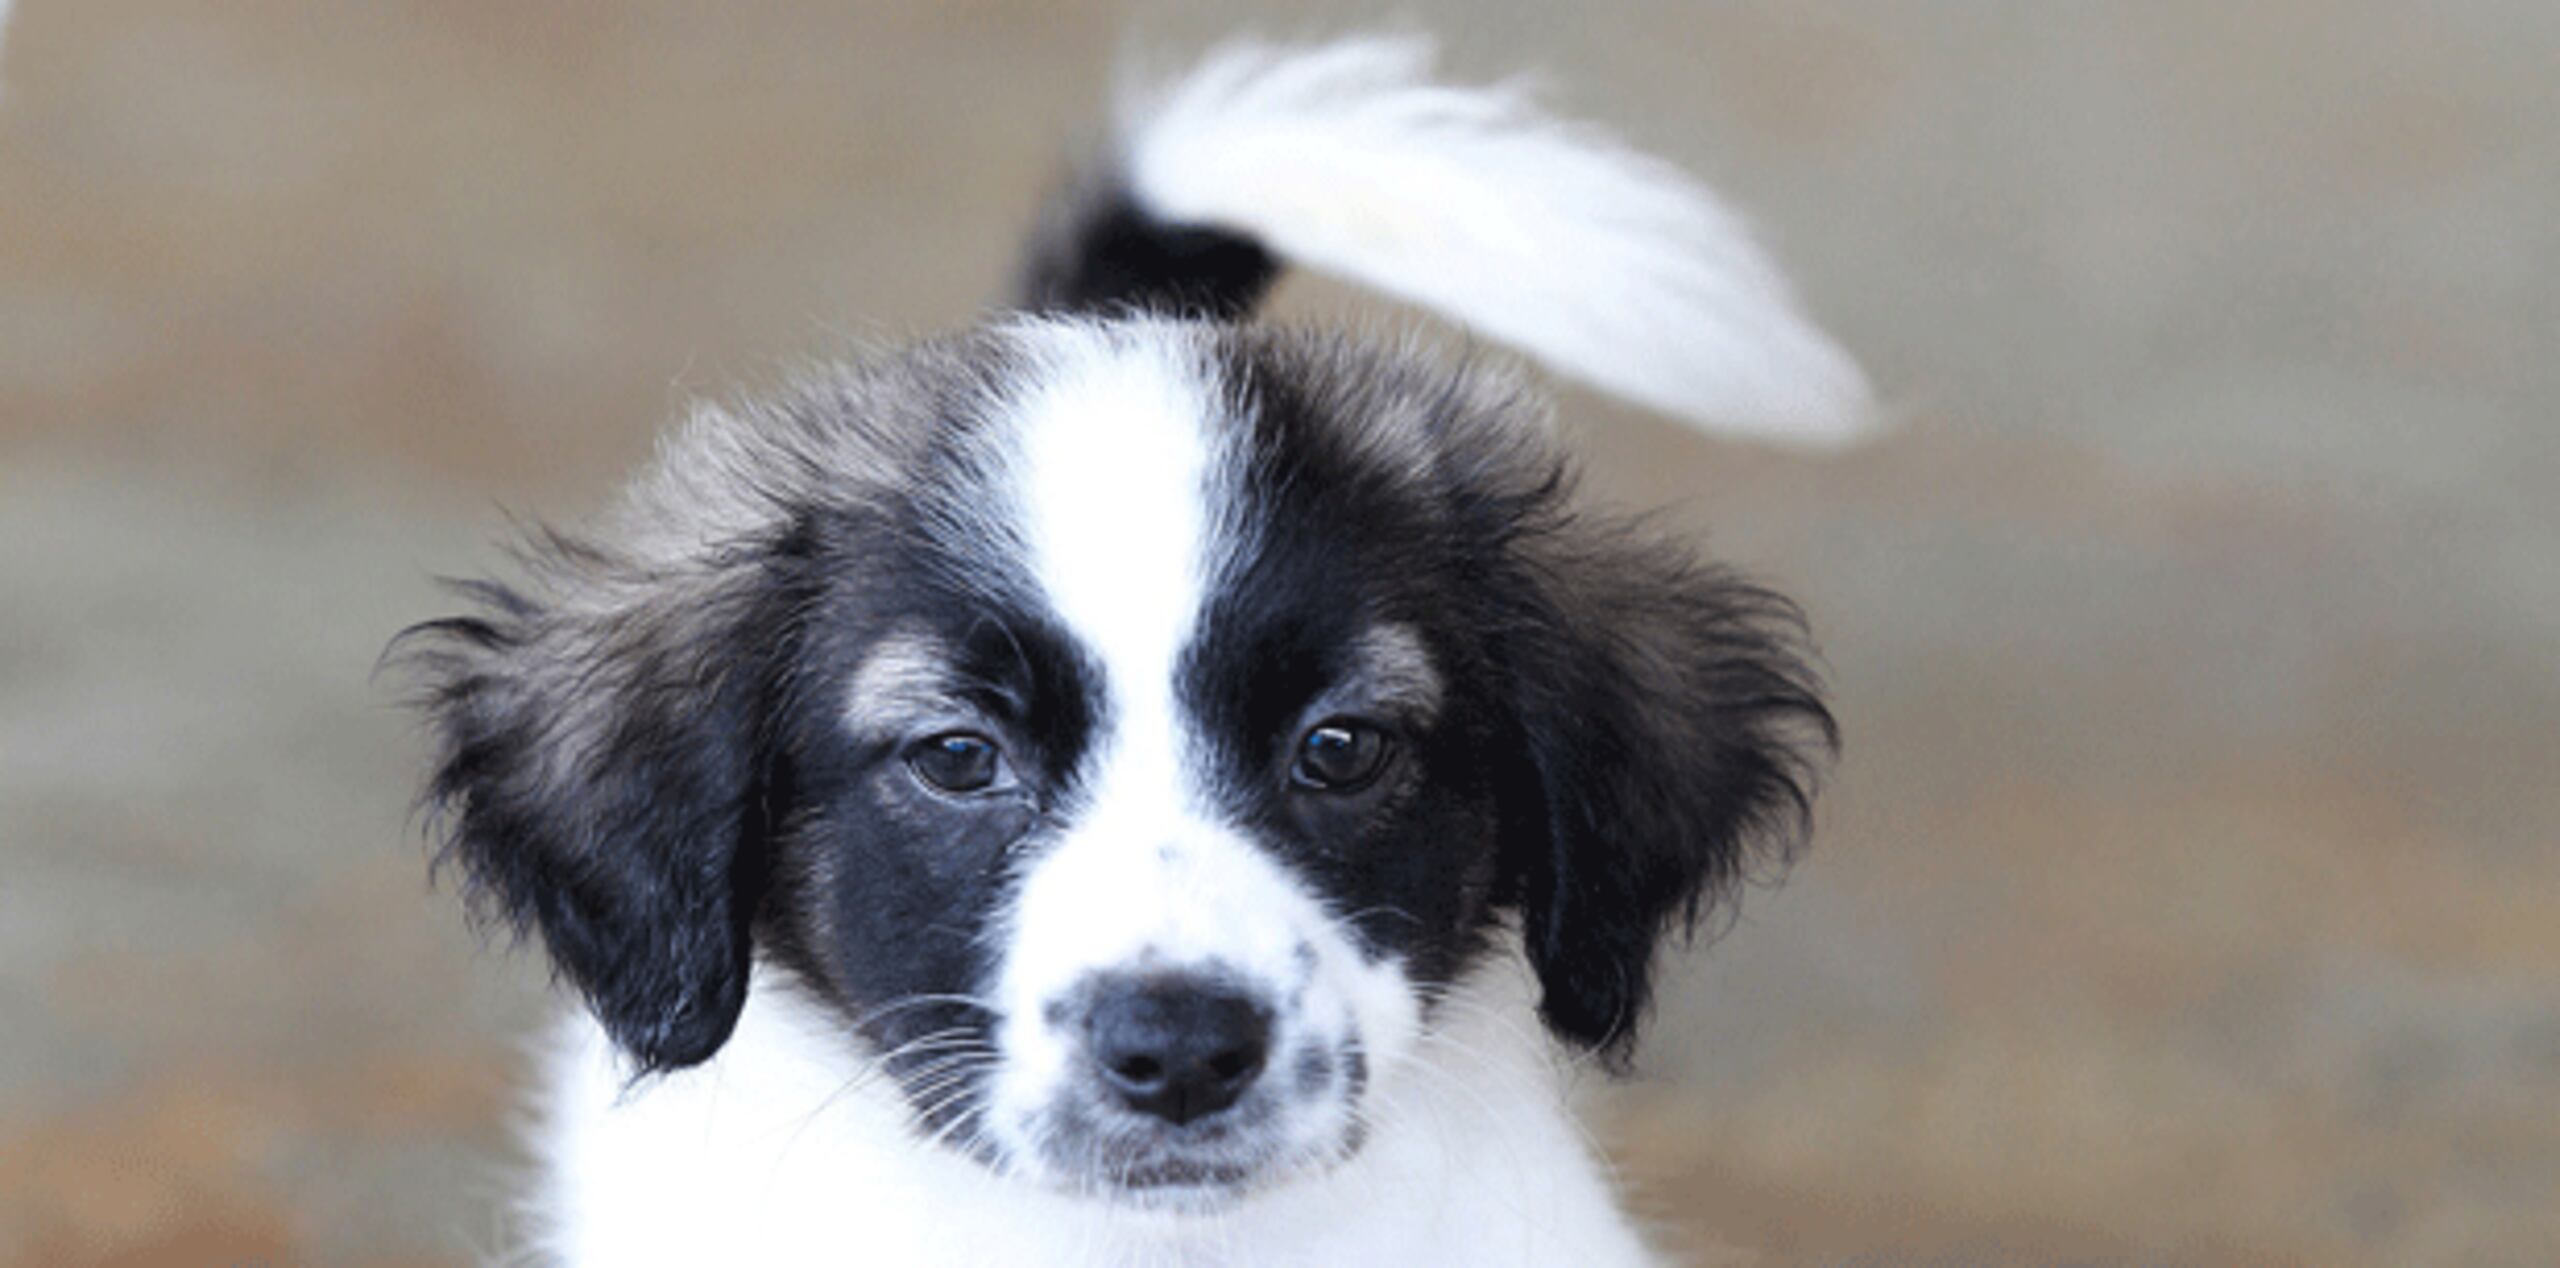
point(1121, 785)
point(1552, 236)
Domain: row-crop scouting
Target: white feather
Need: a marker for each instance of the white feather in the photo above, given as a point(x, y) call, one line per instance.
point(1555, 237)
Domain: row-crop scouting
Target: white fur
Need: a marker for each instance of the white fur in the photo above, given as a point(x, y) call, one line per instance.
point(782, 1150)
point(1116, 455)
point(1608, 264)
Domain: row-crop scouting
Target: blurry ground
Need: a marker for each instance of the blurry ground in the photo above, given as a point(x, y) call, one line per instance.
point(2188, 893)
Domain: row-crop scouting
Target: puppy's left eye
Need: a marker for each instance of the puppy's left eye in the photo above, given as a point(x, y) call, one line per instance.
point(957, 762)
point(1340, 755)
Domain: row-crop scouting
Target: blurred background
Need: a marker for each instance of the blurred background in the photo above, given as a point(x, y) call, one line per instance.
point(2187, 893)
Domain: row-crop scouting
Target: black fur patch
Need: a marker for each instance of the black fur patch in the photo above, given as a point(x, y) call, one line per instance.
point(1625, 730)
point(599, 779)
point(1096, 250)
point(645, 757)
point(1335, 545)
point(887, 889)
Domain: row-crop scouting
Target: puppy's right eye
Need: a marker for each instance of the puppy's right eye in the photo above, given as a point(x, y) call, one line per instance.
point(1341, 755)
point(957, 762)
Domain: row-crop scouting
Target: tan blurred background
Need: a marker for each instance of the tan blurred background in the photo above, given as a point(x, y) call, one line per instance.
point(2188, 893)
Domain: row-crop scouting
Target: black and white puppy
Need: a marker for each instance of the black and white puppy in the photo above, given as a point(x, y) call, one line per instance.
point(1123, 786)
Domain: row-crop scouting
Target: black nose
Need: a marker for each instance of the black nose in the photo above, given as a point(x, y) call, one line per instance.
point(1177, 1047)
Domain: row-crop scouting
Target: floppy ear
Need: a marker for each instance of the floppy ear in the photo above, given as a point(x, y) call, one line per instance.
point(598, 775)
point(1675, 725)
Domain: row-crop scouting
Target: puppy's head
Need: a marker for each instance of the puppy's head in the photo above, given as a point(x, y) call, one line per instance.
point(1127, 728)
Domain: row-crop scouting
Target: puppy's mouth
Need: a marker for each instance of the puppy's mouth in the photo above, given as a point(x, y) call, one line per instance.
point(1189, 1180)
point(1186, 1184)
point(1186, 1173)
point(1097, 1152)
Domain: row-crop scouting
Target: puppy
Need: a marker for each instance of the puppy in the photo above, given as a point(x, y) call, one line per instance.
point(1120, 785)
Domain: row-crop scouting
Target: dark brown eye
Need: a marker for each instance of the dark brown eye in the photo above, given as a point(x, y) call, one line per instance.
point(1340, 756)
point(957, 762)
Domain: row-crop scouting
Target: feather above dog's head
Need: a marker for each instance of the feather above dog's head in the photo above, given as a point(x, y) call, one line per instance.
point(1159, 708)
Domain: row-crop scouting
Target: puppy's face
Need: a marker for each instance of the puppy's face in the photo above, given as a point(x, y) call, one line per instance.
point(1139, 824)
point(1128, 729)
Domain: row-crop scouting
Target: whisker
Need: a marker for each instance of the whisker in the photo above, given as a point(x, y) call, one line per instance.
point(892, 1008)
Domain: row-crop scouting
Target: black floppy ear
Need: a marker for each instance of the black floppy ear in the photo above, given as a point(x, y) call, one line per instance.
point(1675, 724)
point(598, 775)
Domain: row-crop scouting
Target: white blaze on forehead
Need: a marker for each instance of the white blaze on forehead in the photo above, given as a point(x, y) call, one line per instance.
point(1116, 455)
